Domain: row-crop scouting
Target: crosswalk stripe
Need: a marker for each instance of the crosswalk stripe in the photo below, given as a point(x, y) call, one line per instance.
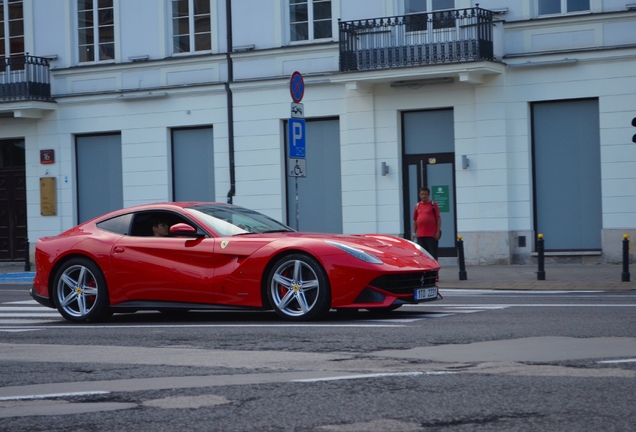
point(30, 315)
point(24, 302)
point(24, 313)
point(23, 308)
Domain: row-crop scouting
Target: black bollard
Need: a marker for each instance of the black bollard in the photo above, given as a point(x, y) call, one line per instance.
point(460, 258)
point(27, 262)
point(625, 274)
point(541, 258)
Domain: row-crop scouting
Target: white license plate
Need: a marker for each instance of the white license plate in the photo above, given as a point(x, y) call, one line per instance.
point(425, 293)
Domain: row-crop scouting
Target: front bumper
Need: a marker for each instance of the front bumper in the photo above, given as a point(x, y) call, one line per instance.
point(44, 301)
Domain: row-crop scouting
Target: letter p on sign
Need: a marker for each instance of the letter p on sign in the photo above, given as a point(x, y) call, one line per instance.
point(297, 138)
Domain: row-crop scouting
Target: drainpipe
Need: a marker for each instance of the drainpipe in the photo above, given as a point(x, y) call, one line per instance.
point(230, 103)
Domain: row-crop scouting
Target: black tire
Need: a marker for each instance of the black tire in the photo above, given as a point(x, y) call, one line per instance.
point(298, 288)
point(80, 292)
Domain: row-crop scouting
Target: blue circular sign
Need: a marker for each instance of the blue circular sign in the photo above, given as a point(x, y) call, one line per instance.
point(297, 87)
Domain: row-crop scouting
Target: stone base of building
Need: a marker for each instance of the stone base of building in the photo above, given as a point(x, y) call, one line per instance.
point(517, 247)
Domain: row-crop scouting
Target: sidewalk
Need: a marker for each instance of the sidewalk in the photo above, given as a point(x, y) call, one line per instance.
point(13, 272)
point(558, 277)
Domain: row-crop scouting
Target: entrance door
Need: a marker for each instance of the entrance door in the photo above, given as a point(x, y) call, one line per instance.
point(13, 211)
point(567, 174)
point(436, 172)
point(429, 161)
point(193, 164)
point(99, 175)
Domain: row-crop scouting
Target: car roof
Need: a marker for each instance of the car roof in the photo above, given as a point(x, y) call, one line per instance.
point(157, 206)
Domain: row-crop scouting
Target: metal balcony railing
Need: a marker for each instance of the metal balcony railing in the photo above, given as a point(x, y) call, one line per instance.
point(24, 78)
point(450, 36)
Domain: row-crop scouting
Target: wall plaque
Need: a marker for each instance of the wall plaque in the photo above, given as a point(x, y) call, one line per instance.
point(48, 202)
point(47, 156)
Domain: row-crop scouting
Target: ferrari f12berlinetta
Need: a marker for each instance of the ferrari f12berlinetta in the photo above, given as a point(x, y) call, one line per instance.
point(220, 256)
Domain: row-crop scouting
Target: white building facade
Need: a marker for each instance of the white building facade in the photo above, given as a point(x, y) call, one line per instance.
point(516, 114)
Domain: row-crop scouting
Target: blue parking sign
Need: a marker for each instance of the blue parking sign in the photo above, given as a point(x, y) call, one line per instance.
point(297, 138)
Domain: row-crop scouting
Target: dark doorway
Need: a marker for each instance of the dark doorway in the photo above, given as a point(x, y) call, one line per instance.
point(436, 172)
point(13, 209)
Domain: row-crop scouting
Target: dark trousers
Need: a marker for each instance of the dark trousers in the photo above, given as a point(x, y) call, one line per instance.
point(430, 244)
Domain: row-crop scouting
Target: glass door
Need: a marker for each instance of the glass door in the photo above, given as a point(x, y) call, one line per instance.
point(436, 172)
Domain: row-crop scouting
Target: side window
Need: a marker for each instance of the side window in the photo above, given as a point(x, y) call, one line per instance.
point(556, 7)
point(191, 26)
point(117, 225)
point(310, 20)
point(155, 223)
point(95, 30)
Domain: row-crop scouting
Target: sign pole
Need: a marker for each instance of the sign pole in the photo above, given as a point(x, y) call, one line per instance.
point(297, 153)
point(297, 217)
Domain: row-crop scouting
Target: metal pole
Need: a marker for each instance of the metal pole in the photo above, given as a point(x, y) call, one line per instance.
point(625, 274)
point(27, 262)
point(297, 218)
point(230, 100)
point(540, 251)
point(460, 257)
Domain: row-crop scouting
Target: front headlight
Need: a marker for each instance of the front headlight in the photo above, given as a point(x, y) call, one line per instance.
point(361, 255)
point(421, 249)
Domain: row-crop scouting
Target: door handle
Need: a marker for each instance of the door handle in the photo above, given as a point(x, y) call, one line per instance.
point(118, 249)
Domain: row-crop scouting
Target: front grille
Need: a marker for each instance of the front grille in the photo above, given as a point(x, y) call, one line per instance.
point(405, 283)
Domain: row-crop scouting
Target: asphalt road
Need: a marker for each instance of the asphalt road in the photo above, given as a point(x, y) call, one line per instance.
point(475, 361)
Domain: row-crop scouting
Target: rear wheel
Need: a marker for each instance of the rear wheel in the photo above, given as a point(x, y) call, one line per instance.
point(80, 291)
point(298, 288)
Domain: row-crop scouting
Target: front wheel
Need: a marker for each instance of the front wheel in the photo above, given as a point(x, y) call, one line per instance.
point(80, 291)
point(298, 288)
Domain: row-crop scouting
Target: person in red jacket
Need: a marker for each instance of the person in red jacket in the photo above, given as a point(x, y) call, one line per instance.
point(427, 223)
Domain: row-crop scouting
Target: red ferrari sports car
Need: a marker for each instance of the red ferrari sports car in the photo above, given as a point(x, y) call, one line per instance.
point(188, 256)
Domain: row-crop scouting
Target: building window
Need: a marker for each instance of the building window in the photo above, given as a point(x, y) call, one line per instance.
point(12, 30)
point(418, 19)
point(191, 28)
point(417, 6)
point(95, 30)
point(309, 20)
point(555, 7)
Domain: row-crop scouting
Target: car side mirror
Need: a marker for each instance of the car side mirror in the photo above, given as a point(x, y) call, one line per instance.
point(183, 230)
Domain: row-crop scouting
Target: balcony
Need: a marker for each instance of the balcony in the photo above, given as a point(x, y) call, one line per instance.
point(25, 87)
point(24, 78)
point(431, 38)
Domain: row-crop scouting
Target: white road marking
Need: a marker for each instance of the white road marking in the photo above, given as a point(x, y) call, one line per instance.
point(618, 361)
point(53, 395)
point(25, 302)
point(502, 306)
point(176, 326)
point(30, 315)
point(24, 308)
point(374, 375)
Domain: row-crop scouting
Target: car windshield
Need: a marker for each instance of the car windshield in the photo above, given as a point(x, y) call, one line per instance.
point(229, 220)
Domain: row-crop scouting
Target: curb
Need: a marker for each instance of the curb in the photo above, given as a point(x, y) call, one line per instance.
point(540, 286)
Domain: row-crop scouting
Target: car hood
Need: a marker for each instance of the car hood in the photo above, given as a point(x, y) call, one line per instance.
point(389, 249)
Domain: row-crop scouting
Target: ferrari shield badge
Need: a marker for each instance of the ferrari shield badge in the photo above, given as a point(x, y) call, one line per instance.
point(224, 244)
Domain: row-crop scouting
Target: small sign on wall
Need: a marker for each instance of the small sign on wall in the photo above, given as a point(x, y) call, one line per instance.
point(48, 201)
point(441, 196)
point(47, 156)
